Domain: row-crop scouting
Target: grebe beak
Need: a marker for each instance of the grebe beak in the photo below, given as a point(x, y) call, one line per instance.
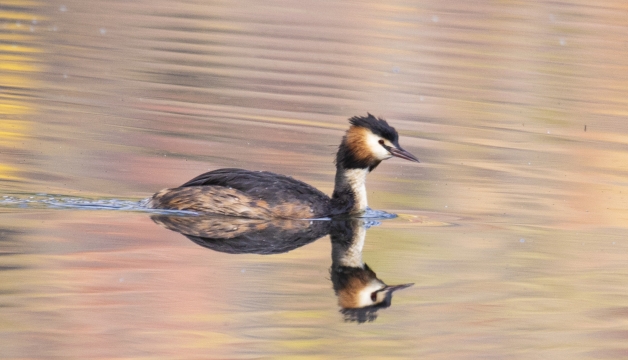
point(401, 153)
point(388, 291)
point(396, 287)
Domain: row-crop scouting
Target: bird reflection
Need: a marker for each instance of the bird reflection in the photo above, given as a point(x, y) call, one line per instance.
point(360, 292)
point(236, 235)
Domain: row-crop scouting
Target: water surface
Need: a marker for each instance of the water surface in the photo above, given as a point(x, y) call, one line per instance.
point(512, 227)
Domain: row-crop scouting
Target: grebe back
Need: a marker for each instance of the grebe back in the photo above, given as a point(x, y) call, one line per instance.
point(266, 195)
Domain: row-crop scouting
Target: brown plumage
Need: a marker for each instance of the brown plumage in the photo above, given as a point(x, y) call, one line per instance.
point(356, 142)
point(230, 202)
point(251, 194)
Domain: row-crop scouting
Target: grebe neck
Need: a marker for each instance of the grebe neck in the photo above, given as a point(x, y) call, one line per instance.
point(347, 244)
point(349, 195)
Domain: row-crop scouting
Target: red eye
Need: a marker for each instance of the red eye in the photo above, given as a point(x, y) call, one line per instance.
point(374, 296)
point(381, 142)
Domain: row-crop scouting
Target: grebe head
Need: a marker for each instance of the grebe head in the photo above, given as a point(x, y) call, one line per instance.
point(360, 287)
point(368, 141)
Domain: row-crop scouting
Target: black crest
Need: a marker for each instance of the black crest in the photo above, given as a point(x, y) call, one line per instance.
point(378, 126)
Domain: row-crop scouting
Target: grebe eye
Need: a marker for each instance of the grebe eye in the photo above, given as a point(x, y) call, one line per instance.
point(374, 296)
point(381, 142)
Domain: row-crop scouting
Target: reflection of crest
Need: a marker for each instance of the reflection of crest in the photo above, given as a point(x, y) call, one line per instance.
point(360, 292)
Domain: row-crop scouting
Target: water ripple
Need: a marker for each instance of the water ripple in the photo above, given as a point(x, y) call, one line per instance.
point(47, 201)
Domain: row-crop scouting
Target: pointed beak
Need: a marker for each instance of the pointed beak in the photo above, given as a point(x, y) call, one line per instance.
point(392, 288)
point(401, 153)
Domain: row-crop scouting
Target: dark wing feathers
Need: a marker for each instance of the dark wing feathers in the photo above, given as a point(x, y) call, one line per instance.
point(270, 187)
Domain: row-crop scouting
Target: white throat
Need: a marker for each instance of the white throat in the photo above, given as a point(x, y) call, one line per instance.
point(355, 179)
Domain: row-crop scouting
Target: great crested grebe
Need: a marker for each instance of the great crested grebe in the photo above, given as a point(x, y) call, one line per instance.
point(266, 195)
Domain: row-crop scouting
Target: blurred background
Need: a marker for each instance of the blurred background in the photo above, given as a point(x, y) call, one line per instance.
point(513, 227)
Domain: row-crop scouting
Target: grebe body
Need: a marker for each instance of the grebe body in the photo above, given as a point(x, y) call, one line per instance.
point(245, 193)
point(266, 195)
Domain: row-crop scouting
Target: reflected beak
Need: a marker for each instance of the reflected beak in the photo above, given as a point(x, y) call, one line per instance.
point(392, 288)
point(401, 153)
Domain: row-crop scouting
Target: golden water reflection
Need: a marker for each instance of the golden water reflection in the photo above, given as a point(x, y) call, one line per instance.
point(19, 67)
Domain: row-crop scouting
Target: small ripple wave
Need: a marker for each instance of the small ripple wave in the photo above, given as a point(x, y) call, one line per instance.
point(47, 201)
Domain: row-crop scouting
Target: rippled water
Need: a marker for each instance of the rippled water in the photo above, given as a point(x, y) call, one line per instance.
point(512, 228)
